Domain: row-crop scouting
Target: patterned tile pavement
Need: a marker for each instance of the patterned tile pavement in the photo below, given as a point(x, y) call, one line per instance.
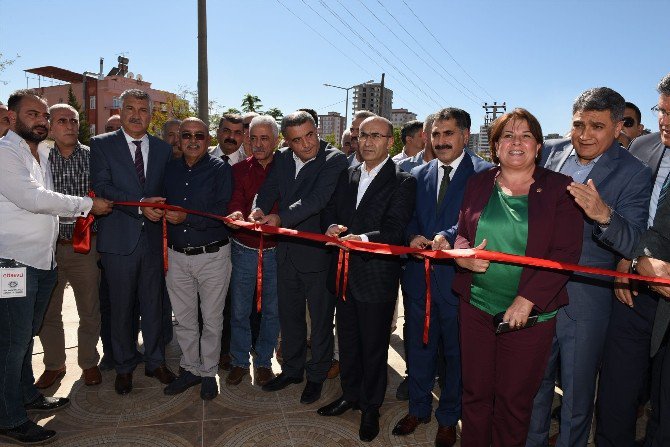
point(241, 416)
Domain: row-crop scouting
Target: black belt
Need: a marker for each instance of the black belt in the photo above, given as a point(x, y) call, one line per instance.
point(209, 248)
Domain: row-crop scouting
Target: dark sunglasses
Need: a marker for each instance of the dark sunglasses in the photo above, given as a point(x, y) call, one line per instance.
point(628, 122)
point(189, 136)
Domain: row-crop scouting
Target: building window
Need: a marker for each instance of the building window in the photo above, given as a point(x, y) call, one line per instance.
point(116, 103)
point(92, 103)
point(92, 129)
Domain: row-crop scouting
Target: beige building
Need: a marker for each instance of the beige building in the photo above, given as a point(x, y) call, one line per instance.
point(368, 97)
point(401, 116)
point(332, 124)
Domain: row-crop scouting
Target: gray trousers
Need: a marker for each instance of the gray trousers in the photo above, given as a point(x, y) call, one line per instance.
point(82, 273)
point(208, 275)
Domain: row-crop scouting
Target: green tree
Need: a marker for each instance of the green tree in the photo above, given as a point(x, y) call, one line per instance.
point(251, 103)
point(330, 138)
point(275, 113)
point(233, 110)
point(397, 142)
point(4, 64)
point(84, 128)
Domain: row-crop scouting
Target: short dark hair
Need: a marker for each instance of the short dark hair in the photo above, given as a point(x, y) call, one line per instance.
point(638, 114)
point(518, 114)
point(461, 117)
point(234, 118)
point(14, 101)
point(600, 99)
point(409, 129)
point(312, 112)
point(664, 86)
point(296, 119)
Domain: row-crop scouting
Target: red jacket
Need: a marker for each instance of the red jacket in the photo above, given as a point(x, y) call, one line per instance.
point(555, 227)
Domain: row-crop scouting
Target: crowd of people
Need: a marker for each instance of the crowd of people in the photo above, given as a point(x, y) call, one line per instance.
point(499, 336)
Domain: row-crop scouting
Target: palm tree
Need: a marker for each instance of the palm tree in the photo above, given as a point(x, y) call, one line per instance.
point(275, 113)
point(233, 110)
point(251, 103)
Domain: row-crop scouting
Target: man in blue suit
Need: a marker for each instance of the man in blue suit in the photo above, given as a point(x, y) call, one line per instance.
point(612, 188)
point(129, 165)
point(440, 187)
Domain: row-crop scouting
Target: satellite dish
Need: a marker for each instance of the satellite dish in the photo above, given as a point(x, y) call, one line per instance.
point(130, 75)
point(139, 77)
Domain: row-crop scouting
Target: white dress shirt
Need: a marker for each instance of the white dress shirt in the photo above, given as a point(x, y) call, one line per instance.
point(29, 208)
point(366, 178)
point(133, 148)
point(299, 163)
point(234, 158)
point(440, 172)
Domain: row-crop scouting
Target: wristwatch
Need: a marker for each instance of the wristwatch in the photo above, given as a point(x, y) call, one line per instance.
point(633, 265)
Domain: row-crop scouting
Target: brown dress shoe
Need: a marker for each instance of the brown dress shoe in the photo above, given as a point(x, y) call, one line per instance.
point(334, 370)
point(92, 376)
point(49, 377)
point(408, 424)
point(446, 436)
point(263, 376)
point(224, 362)
point(162, 373)
point(123, 383)
point(236, 374)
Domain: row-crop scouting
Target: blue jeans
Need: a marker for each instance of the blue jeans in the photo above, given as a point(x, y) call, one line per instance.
point(243, 286)
point(20, 320)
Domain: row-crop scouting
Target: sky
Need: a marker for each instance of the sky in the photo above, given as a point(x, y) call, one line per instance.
point(536, 54)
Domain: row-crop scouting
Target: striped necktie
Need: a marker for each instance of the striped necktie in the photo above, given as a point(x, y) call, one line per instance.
point(139, 161)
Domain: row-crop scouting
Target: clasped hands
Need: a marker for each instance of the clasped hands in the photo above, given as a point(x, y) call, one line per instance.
point(156, 214)
point(335, 230)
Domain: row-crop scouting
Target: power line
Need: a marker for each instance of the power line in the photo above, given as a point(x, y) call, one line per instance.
point(378, 53)
point(354, 45)
point(426, 51)
point(445, 50)
point(391, 51)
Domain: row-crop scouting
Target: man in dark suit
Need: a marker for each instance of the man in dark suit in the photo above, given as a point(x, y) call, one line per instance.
point(440, 188)
point(612, 188)
point(129, 165)
point(641, 327)
point(372, 202)
point(302, 181)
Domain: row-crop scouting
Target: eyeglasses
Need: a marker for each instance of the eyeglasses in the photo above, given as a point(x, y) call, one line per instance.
point(660, 112)
point(189, 136)
point(375, 137)
point(628, 122)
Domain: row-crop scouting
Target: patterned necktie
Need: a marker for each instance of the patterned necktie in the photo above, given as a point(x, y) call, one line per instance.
point(139, 161)
point(444, 184)
point(664, 190)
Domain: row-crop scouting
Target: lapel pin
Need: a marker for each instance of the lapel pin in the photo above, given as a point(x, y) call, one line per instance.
point(538, 190)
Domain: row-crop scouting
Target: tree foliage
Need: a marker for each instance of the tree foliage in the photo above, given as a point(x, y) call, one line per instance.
point(4, 64)
point(397, 142)
point(84, 128)
point(251, 103)
point(275, 113)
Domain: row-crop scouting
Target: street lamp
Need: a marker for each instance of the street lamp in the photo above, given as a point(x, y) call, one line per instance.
point(346, 110)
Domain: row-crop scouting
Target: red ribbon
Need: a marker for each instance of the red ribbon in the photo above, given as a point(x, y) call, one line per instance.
point(426, 318)
point(81, 235)
point(259, 275)
point(338, 276)
point(165, 246)
point(386, 249)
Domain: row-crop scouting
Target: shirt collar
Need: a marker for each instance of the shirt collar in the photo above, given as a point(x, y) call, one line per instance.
point(454, 164)
point(298, 160)
point(375, 170)
point(129, 139)
point(77, 148)
point(573, 157)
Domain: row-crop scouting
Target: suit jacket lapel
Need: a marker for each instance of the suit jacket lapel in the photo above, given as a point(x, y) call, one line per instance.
point(152, 163)
point(558, 159)
point(385, 173)
point(354, 180)
point(305, 171)
point(605, 165)
point(457, 183)
point(124, 152)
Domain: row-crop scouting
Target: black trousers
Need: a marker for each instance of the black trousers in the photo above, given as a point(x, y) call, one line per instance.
point(294, 288)
point(364, 332)
point(131, 278)
point(625, 370)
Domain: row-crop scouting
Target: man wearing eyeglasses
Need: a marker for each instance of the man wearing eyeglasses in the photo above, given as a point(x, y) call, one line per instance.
point(640, 317)
point(632, 126)
point(198, 257)
point(439, 192)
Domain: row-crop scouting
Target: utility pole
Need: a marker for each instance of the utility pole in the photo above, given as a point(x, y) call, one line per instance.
point(492, 112)
point(203, 83)
point(381, 97)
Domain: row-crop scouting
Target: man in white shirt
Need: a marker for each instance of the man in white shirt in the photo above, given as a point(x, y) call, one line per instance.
point(230, 135)
point(411, 135)
point(29, 210)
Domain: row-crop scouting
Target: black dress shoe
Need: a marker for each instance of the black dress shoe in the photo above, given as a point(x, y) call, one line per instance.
point(123, 383)
point(28, 433)
point(44, 404)
point(280, 382)
point(369, 425)
point(311, 393)
point(337, 407)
